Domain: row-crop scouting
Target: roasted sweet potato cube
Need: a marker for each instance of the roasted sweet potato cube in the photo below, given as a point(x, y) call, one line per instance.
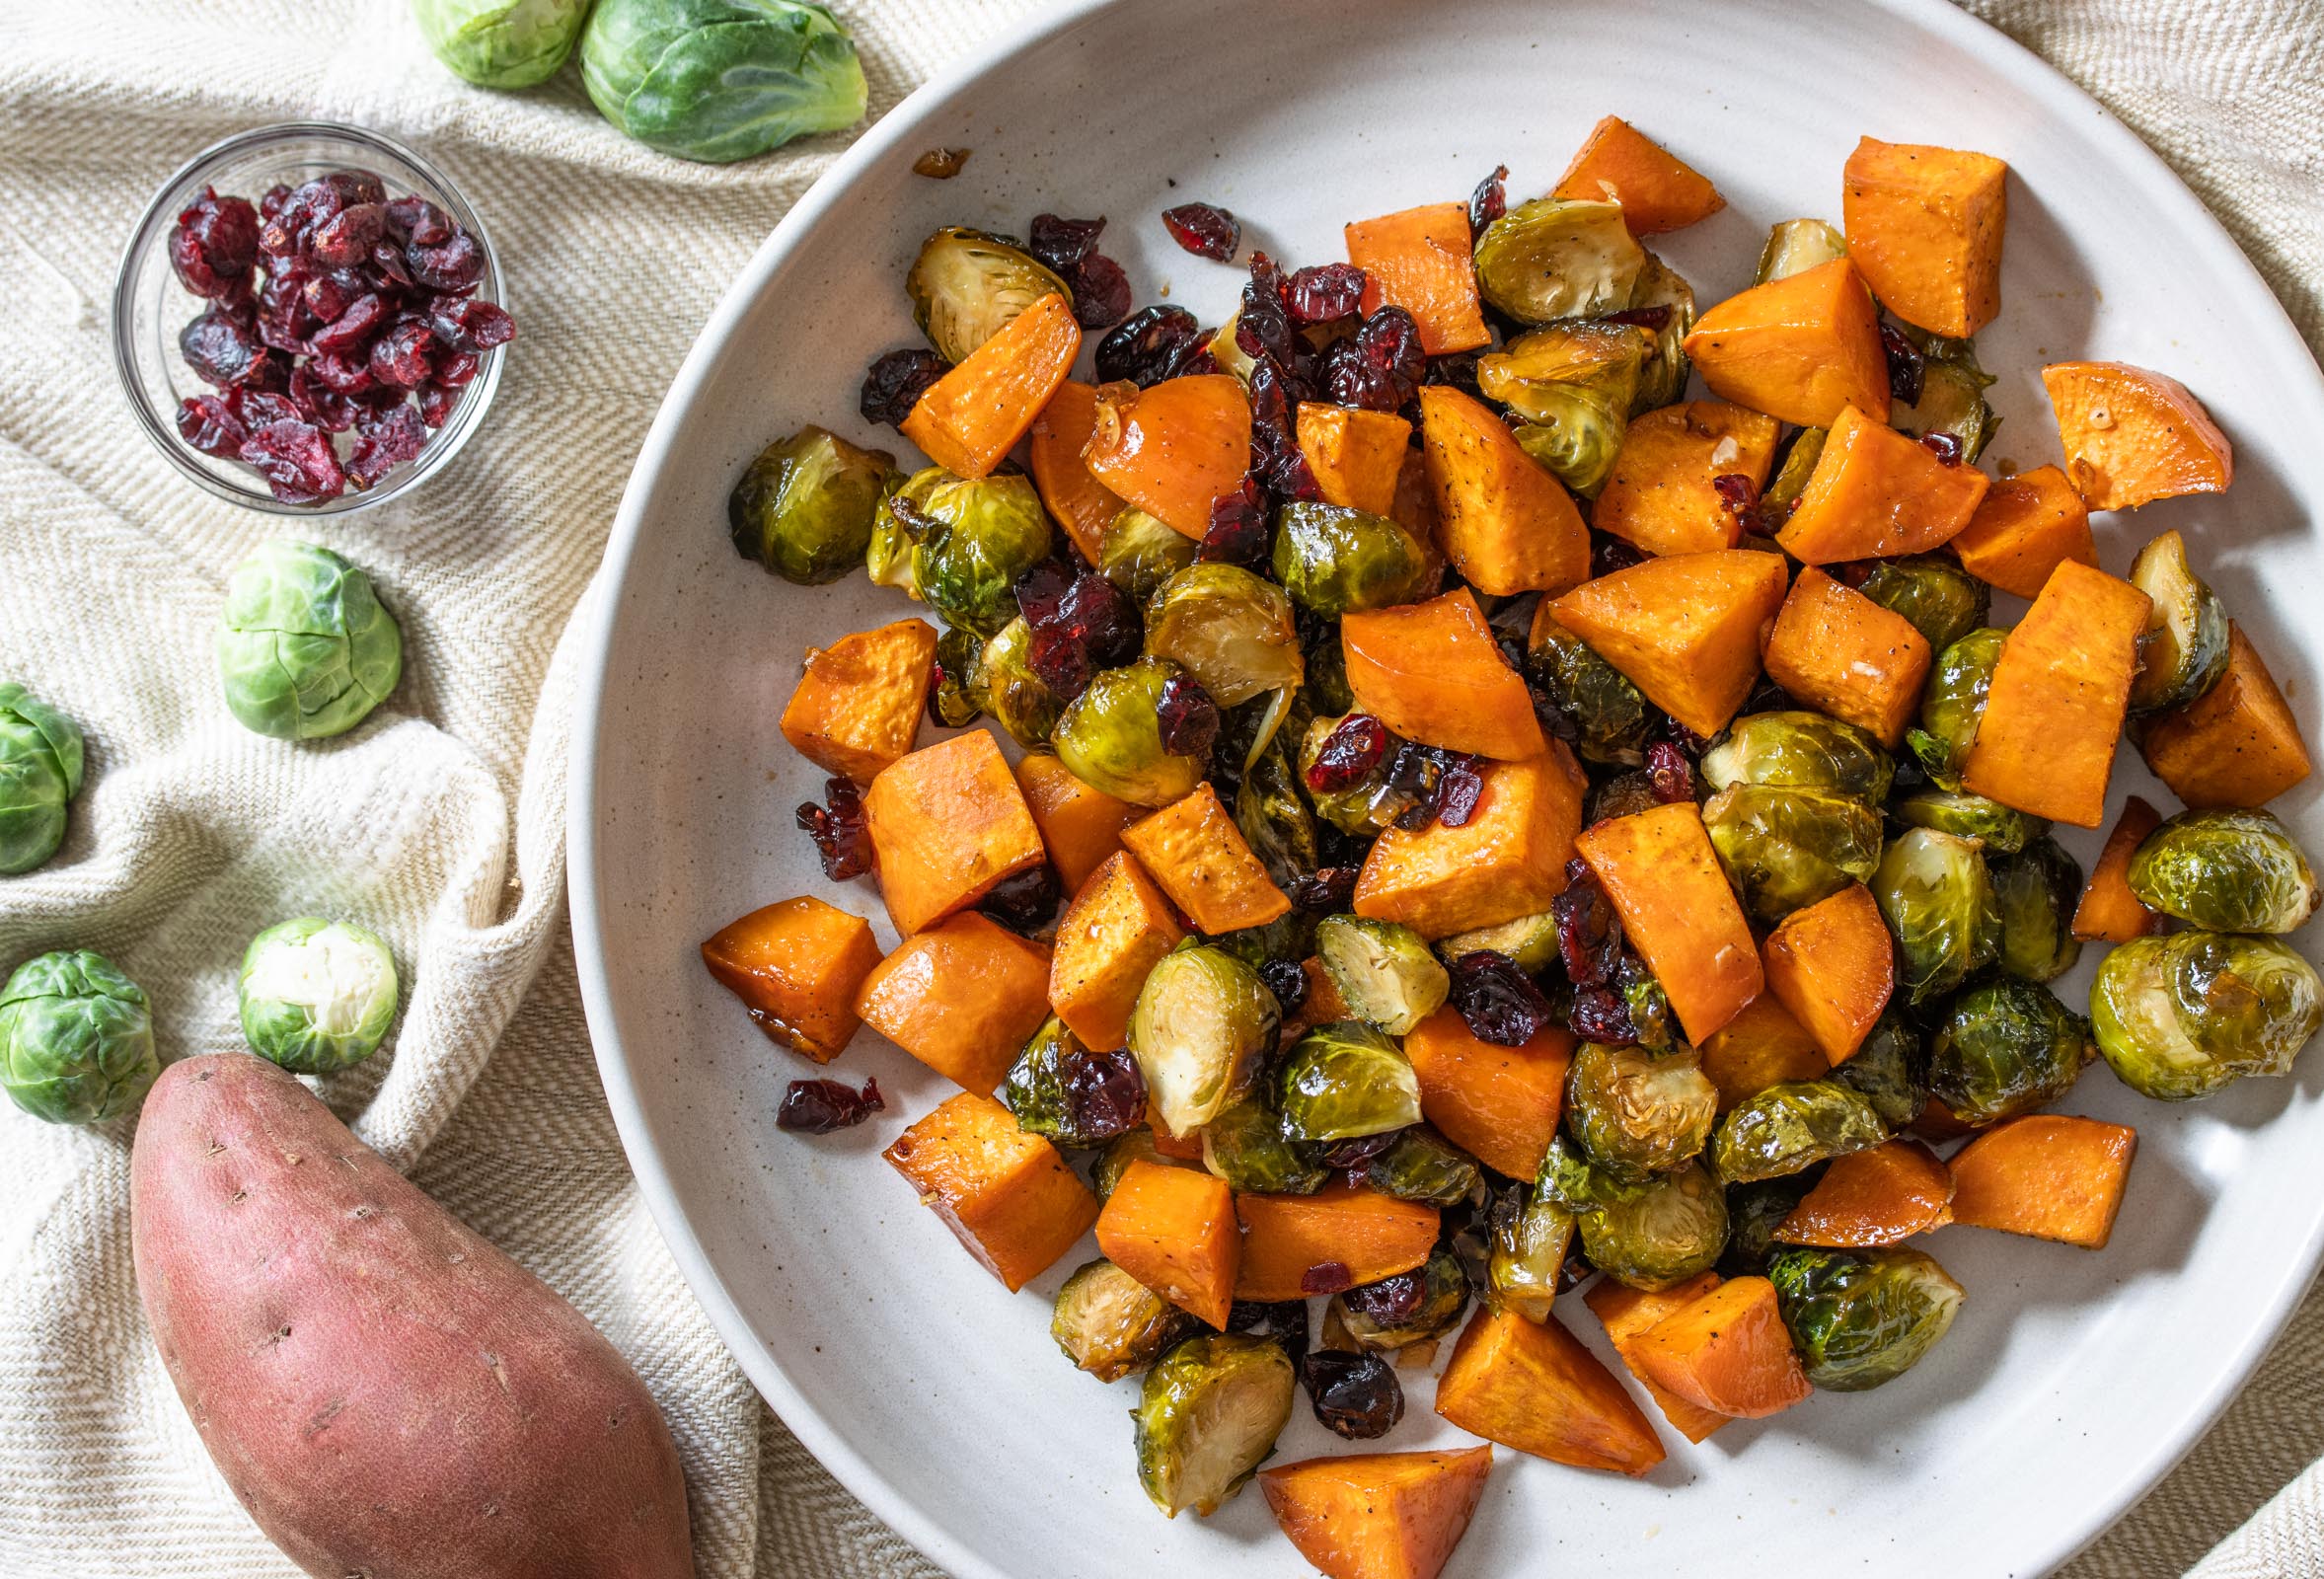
point(1762, 1046)
point(1175, 1230)
point(1285, 1237)
point(2055, 711)
point(1833, 964)
point(1686, 629)
point(1839, 651)
point(1628, 1314)
point(2235, 746)
point(1924, 228)
point(1678, 911)
point(1006, 1193)
point(1500, 1104)
point(948, 823)
point(1506, 525)
point(1660, 495)
point(2109, 911)
point(1533, 1386)
point(797, 964)
point(1172, 450)
point(1378, 1515)
point(969, 420)
point(2046, 1176)
point(1727, 1351)
point(1882, 1196)
point(1432, 672)
point(2132, 437)
point(1876, 493)
point(1507, 860)
point(1418, 259)
point(1802, 349)
point(1082, 505)
point(1657, 190)
point(1113, 932)
point(2022, 529)
point(1080, 826)
point(1357, 456)
point(858, 702)
point(1195, 852)
point(963, 997)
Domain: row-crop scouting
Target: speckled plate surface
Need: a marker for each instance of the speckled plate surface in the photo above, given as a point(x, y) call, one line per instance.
point(2071, 1382)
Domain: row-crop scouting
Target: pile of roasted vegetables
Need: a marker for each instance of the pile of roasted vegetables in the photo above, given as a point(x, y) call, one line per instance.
point(1517, 827)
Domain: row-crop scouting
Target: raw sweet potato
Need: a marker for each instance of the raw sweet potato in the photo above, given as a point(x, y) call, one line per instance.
point(1171, 450)
point(1533, 1386)
point(969, 420)
point(1883, 1196)
point(1833, 964)
point(1507, 860)
point(1728, 1351)
point(2132, 437)
point(1506, 525)
point(857, 706)
point(1678, 911)
point(1080, 826)
point(1173, 1230)
point(796, 965)
point(1113, 932)
point(1432, 672)
point(1500, 1104)
point(1378, 1515)
point(963, 997)
point(1285, 1238)
point(1686, 629)
point(384, 1389)
point(1418, 259)
point(2109, 911)
point(1628, 1314)
point(2055, 711)
point(1924, 228)
point(2022, 528)
point(1082, 505)
point(1762, 1046)
point(947, 822)
point(1842, 653)
point(2046, 1176)
point(1875, 493)
point(1357, 456)
point(1004, 1192)
point(1195, 852)
point(1660, 498)
point(1658, 192)
point(1802, 349)
point(2235, 746)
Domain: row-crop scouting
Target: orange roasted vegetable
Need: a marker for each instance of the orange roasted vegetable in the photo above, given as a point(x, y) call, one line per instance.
point(1194, 851)
point(1840, 652)
point(1762, 1046)
point(1833, 964)
point(963, 997)
point(1006, 1193)
point(1418, 259)
point(1082, 505)
point(1320, 1007)
point(2022, 528)
point(1876, 493)
point(1499, 1104)
point(2046, 1176)
point(1803, 349)
point(1924, 228)
point(1173, 1230)
point(1357, 456)
point(1678, 911)
point(1506, 525)
point(2132, 437)
point(2055, 711)
point(1285, 1238)
point(1883, 1196)
point(1432, 672)
point(1113, 932)
point(968, 420)
point(1507, 860)
point(1686, 629)
point(1658, 192)
point(947, 824)
point(2109, 912)
point(1378, 1515)
point(1628, 1314)
point(1728, 1351)
point(1080, 826)
point(1659, 495)
point(796, 964)
point(858, 702)
point(2235, 746)
point(1173, 449)
point(1533, 1386)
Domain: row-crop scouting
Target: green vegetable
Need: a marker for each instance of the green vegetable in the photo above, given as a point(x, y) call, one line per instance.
point(1002, 682)
point(1886, 1071)
point(720, 80)
point(1953, 704)
point(2225, 870)
point(1248, 1148)
point(1795, 246)
point(1384, 971)
point(1636, 1113)
point(1422, 1166)
point(304, 647)
point(1035, 1089)
point(1622, 795)
point(1645, 1001)
point(954, 704)
point(1610, 715)
point(41, 762)
point(1999, 829)
point(1659, 1233)
point(1110, 736)
point(1274, 822)
point(1531, 1241)
point(317, 995)
point(2183, 649)
point(960, 544)
point(1229, 628)
point(1134, 1146)
point(1141, 553)
point(2181, 1017)
point(1208, 1416)
point(967, 286)
point(1290, 938)
point(1327, 688)
point(1787, 849)
point(2035, 893)
point(1755, 1211)
point(76, 1038)
point(1574, 384)
point(1443, 1295)
point(1558, 259)
point(1344, 1080)
point(501, 43)
point(1799, 464)
point(804, 508)
point(1793, 1125)
point(1110, 1324)
point(1862, 1318)
point(2006, 1048)
point(1335, 560)
point(1952, 396)
point(1530, 941)
point(1363, 809)
point(1202, 1020)
point(1797, 750)
point(1934, 892)
point(1663, 379)
point(1943, 602)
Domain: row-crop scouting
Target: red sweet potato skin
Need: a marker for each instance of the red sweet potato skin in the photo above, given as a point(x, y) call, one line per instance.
point(387, 1393)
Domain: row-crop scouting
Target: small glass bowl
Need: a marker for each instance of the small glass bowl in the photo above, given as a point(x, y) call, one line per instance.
point(150, 307)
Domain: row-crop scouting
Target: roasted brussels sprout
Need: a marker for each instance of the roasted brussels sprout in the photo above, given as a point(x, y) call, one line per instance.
point(317, 995)
point(720, 80)
point(1530, 941)
point(1273, 820)
point(1363, 809)
point(1645, 1001)
point(804, 508)
point(1938, 900)
point(1229, 628)
point(1797, 750)
point(2178, 1017)
point(1621, 796)
point(2035, 893)
point(1608, 713)
point(1953, 704)
point(2225, 870)
point(1531, 1239)
point(76, 1038)
point(1422, 1166)
point(2003, 1048)
point(305, 649)
point(1443, 1295)
point(1139, 553)
point(1290, 938)
point(1787, 849)
point(1202, 1021)
point(1798, 465)
point(1663, 378)
point(1862, 1318)
point(1573, 383)
point(950, 700)
point(1335, 560)
point(1384, 971)
point(501, 43)
point(1208, 1416)
point(1755, 1211)
point(1952, 396)
point(1554, 258)
point(967, 286)
point(42, 761)
point(2001, 830)
point(1795, 246)
point(1886, 1071)
point(1035, 1089)
point(1635, 1112)
point(1001, 683)
point(1248, 1148)
point(1110, 1324)
point(960, 543)
point(1327, 688)
point(1344, 1080)
point(1659, 1233)
point(2184, 650)
point(1942, 600)
point(1132, 1146)
point(1110, 736)
point(1790, 1126)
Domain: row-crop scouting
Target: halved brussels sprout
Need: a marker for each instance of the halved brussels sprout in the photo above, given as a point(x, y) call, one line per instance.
point(1755, 1211)
point(1886, 1071)
point(1443, 1295)
point(1202, 1021)
point(2000, 829)
point(1952, 396)
point(1384, 971)
point(967, 286)
point(1659, 1233)
point(1530, 941)
point(1344, 1080)
point(1795, 246)
point(2225, 870)
point(804, 508)
point(2181, 1017)
point(1942, 600)
point(960, 544)
point(1531, 1243)
point(1953, 704)
point(1799, 464)
point(1290, 938)
point(1208, 1417)
point(1141, 553)
point(1610, 715)
point(1862, 1318)
point(1363, 809)
point(1035, 1089)
point(1134, 1146)
point(1274, 822)
point(2006, 1048)
point(1110, 735)
point(1335, 560)
point(1793, 1125)
point(1555, 258)
point(1002, 682)
point(1422, 1166)
point(1799, 750)
point(1573, 383)
point(1246, 1147)
point(1663, 378)
point(2184, 650)
point(1787, 849)
point(1937, 898)
point(1635, 1112)
point(951, 701)
point(1227, 627)
point(1110, 1324)
point(2035, 893)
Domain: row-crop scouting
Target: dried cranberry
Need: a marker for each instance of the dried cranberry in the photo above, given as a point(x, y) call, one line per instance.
point(894, 383)
point(1390, 1301)
point(330, 294)
point(348, 374)
point(842, 834)
point(388, 267)
point(1041, 590)
point(217, 349)
point(1358, 1151)
point(356, 186)
point(215, 244)
point(1148, 346)
point(297, 461)
point(820, 1106)
point(1100, 616)
point(257, 407)
point(405, 355)
point(270, 201)
point(1276, 459)
point(1326, 891)
point(1737, 493)
point(1186, 718)
point(1672, 775)
point(1349, 754)
point(1062, 243)
point(347, 237)
point(1489, 201)
point(1024, 902)
point(1589, 931)
point(1060, 662)
point(467, 325)
point(1104, 1094)
point(1262, 326)
point(1381, 369)
point(1457, 368)
point(1326, 1277)
point(383, 441)
point(1608, 554)
point(1600, 1015)
point(1204, 229)
point(1288, 982)
point(1283, 1318)
point(210, 424)
point(1652, 319)
point(453, 265)
point(416, 220)
point(1498, 1001)
point(1905, 366)
point(1101, 292)
point(353, 328)
point(318, 402)
point(1238, 533)
point(436, 403)
point(1946, 447)
point(458, 370)
point(1457, 792)
point(1356, 1396)
point(1322, 292)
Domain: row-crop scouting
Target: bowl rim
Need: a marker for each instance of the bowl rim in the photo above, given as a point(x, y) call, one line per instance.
point(903, 125)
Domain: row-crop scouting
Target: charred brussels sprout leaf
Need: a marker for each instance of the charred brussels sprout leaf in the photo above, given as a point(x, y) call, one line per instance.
point(1110, 735)
point(1141, 553)
point(1229, 628)
point(1336, 561)
point(1797, 750)
point(1937, 898)
point(1952, 396)
point(1862, 1318)
point(1635, 1112)
point(1423, 1165)
point(1795, 246)
point(2225, 870)
point(2179, 1018)
point(2035, 893)
point(1110, 1324)
point(1573, 383)
point(804, 508)
point(1953, 704)
point(2006, 1048)
point(1608, 713)
point(1622, 795)
point(76, 1038)
point(2184, 650)
point(1553, 259)
point(1530, 941)
point(967, 286)
point(1886, 1071)
point(1792, 1127)
point(720, 80)
point(1754, 1213)
point(41, 762)
point(1663, 378)
point(1248, 1148)
point(1345, 1080)
point(1274, 822)
point(1002, 682)
point(1443, 1295)
point(1384, 971)
point(1659, 1233)
point(1530, 1244)
point(1943, 602)
point(1208, 1416)
point(1787, 849)
point(1999, 829)
point(1364, 808)
point(1202, 1021)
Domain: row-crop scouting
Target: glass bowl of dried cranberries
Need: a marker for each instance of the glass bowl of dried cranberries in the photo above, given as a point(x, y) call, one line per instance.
point(309, 319)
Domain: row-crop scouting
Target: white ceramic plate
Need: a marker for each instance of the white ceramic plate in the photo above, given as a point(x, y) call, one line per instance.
point(2072, 1380)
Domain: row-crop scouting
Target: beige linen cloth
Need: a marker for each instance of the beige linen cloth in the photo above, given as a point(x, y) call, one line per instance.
point(442, 822)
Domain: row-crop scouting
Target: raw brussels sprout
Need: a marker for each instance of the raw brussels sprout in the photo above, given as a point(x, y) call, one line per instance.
point(2035, 893)
point(1422, 1166)
point(1798, 750)
point(1201, 1023)
point(1335, 560)
point(1344, 1080)
point(951, 701)
point(1610, 715)
point(1663, 378)
point(1274, 822)
point(2225, 870)
point(1659, 1233)
point(1795, 246)
point(1227, 627)
point(1133, 1146)
point(1141, 551)
point(1443, 1295)
point(1953, 704)
point(2003, 1048)
point(1111, 738)
point(1002, 682)
point(1793, 1125)
point(1862, 1318)
point(1363, 809)
point(501, 43)
point(76, 1038)
point(1573, 383)
point(1531, 1243)
point(1246, 1147)
point(317, 995)
point(1799, 464)
point(1384, 971)
point(1110, 1324)
point(2184, 650)
point(1886, 1071)
point(1952, 396)
point(1035, 1089)
point(1938, 900)
point(1942, 600)
point(2178, 1017)
point(967, 286)
point(305, 649)
point(1787, 849)
point(1530, 941)
point(2001, 830)
point(1208, 1416)
point(1636, 1113)
point(1755, 1211)
point(42, 761)
point(960, 543)
point(804, 508)
point(720, 80)
point(1555, 258)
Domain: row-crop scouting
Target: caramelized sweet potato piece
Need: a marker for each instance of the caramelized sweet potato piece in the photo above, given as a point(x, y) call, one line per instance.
point(1840, 652)
point(1285, 1237)
point(1357, 456)
point(1762, 1046)
point(2046, 1176)
point(1658, 192)
point(2054, 712)
point(1659, 497)
point(963, 997)
point(2109, 912)
point(968, 420)
point(1883, 1196)
point(796, 964)
point(1192, 849)
point(1628, 1314)
point(1080, 826)
point(1500, 1104)
point(1006, 1193)
point(1506, 525)
point(1175, 1230)
point(1727, 1351)
point(2023, 528)
point(1678, 911)
point(1802, 349)
point(947, 824)
point(1941, 1123)
point(1924, 227)
point(2132, 437)
point(1082, 505)
point(1507, 860)
point(1173, 449)
point(1113, 932)
point(1833, 964)
point(1533, 1386)
point(1686, 629)
point(1378, 1515)
point(1875, 493)
point(858, 702)
point(2235, 746)
point(1418, 259)
point(1432, 672)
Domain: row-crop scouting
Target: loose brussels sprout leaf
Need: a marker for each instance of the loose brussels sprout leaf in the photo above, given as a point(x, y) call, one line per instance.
point(1336, 561)
point(1208, 1416)
point(2225, 870)
point(1384, 971)
point(76, 1038)
point(2006, 1048)
point(1365, 807)
point(1610, 715)
point(1659, 1234)
point(501, 43)
point(1423, 1165)
point(1141, 553)
point(316, 995)
point(1795, 246)
point(1942, 600)
point(1553, 259)
point(1798, 750)
point(1002, 682)
point(2184, 650)
point(1274, 822)
point(42, 760)
point(1787, 849)
point(1886, 1071)
point(1344, 1080)
point(1799, 464)
point(2035, 893)
point(305, 649)
point(1246, 1147)
point(1530, 941)
point(1754, 1213)
point(1953, 704)
point(1862, 1318)
point(2001, 830)
point(720, 80)
point(1793, 1125)
point(804, 508)
point(1663, 378)
point(1528, 1262)
point(1936, 894)
point(1134, 1146)
point(1444, 1296)
point(1635, 1112)
point(1111, 737)
point(1110, 1324)
point(967, 286)
point(1201, 1023)
point(1952, 397)
point(1574, 384)
point(1035, 1089)
point(2179, 1018)
point(951, 701)
point(901, 521)
point(1229, 628)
